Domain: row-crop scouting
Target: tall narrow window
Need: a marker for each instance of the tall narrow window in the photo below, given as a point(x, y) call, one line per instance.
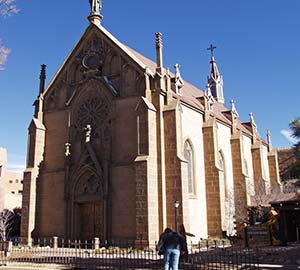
point(188, 155)
point(223, 193)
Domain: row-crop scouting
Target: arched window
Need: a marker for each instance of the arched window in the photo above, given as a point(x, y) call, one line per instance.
point(188, 155)
point(222, 175)
point(224, 199)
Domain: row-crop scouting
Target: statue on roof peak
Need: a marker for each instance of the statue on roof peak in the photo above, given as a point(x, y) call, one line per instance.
point(96, 6)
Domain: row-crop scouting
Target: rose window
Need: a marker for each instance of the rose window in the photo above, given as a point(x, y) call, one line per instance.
point(92, 112)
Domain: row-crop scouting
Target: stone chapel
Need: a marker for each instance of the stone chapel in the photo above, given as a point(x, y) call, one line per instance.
point(116, 139)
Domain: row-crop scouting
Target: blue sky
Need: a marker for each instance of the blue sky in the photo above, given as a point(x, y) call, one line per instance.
point(257, 53)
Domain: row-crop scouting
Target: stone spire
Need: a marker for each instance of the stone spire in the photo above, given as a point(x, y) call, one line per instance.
point(270, 147)
point(234, 116)
point(95, 16)
point(179, 83)
point(254, 127)
point(215, 80)
point(252, 122)
point(233, 109)
point(159, 52)
point(38, 111)
point(210, 98)
point(42, 78)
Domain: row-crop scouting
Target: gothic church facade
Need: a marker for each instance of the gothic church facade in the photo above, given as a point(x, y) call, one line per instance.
point(116, 138)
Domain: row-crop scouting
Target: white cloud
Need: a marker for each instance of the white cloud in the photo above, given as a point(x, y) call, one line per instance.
point(4, 52)
point(7, 8)
point(16, 162)
point(288, 135)
point(18, 168)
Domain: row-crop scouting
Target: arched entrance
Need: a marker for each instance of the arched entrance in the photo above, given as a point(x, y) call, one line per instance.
point(88, 208)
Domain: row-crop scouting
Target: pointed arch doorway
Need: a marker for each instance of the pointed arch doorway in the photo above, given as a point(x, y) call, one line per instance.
point(88, 211)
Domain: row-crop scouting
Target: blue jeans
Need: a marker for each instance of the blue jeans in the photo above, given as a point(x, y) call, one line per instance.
point(171, 258)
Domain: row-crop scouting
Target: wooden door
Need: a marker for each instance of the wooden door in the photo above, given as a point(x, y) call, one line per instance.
point(91, 220)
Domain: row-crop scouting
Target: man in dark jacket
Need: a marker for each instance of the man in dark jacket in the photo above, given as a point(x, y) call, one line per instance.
point(171, 243)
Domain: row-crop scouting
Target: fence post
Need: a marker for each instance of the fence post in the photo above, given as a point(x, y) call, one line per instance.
point(246, 237)
point(96, 243)
point(8, 248)
point(55, 242)
point(30, 242)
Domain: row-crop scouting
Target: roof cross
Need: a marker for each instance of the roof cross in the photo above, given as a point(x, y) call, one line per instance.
point(211, 49)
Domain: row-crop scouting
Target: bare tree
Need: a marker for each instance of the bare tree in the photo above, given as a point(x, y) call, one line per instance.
point(291, 185)
point(6, 221)
point(7, 8)
point(251, 202)
point(258, 210)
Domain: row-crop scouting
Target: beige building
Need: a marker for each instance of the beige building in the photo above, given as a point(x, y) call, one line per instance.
point(116, 138)
point(11, 185)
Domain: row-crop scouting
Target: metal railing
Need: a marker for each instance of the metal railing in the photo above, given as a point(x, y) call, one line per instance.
point(124, 255)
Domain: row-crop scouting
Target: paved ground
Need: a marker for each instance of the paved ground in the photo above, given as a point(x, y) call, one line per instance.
point(11, 267)
point(262, 267)
point(279, 267)
point(281, 257)
point(31, 268)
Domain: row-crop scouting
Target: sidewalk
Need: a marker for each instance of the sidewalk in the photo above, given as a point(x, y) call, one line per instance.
point(279, 267)
point(32, 267)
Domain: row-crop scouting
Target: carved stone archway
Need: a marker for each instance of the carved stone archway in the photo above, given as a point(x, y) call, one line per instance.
point(88, 208)
point(87, 187)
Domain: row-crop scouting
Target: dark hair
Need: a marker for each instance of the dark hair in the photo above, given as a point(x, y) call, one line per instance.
point(167, 230)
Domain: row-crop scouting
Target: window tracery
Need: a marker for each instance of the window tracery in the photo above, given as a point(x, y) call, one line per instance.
point(94, 111)
point(188, 155)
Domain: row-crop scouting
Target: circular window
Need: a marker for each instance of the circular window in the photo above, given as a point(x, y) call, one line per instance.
point(91, 61)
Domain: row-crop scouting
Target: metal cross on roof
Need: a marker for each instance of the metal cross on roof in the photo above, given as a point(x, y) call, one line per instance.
point(211, 49)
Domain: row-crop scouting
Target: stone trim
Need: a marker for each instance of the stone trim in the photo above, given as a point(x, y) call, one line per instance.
point(212, 182)
point(239, 181)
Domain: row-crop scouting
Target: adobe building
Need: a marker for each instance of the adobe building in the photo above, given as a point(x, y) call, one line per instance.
point(11, 185)
point(116, 138)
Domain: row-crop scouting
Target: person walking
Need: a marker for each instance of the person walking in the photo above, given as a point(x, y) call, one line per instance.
point(170, 244)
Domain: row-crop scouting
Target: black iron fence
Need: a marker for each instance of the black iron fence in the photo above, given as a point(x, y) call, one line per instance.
point(124, 255)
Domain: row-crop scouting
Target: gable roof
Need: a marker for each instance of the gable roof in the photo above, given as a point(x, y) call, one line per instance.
point(124, 48)
point(190, 94)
